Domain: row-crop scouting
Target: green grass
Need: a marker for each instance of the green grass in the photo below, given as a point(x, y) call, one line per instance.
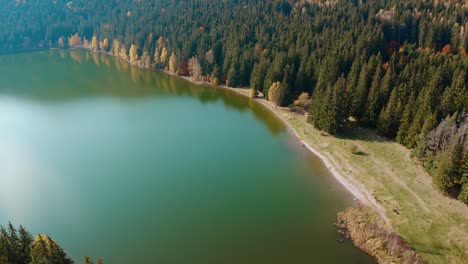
point(435, 225)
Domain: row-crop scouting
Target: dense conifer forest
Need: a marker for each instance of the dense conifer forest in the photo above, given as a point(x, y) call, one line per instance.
point(399, 67)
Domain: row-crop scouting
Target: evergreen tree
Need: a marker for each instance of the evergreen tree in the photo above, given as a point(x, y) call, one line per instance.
point(389, 119)
point(403, 136)
point(233, 78)
point(372, 106)
point(360, 93)
point(455, 97)
point(463, 196)
point(25, 244)
point(256, 79)
point(448, 166)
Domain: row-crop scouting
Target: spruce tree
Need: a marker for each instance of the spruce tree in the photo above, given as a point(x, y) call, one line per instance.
point(463, 195)
point(403, 137)
point(372, 104)
point(455, 97)
point(448, 166)
point(360, 93)
point(25, 244)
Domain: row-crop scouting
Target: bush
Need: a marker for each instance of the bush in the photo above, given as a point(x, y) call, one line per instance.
point(354, 149)
point(303, 100)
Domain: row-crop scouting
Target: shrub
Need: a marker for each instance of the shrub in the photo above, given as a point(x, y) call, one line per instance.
point(354, 149)
point(303, 100)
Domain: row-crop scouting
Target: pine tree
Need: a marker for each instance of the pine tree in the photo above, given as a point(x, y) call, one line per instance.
point(389, 119)
point(328, 109)
point(372, 105)
point(360, 93)
point(233, 78)
point(257, 78)
point(338, 106)
point(353, 75)
point(448, 166)
point(463, 195)
point(403, 137)
point(274, 72)
point(13, 242)
point(455, 97)
point(300, 83)
point(4, 256)
point(316, 109)
point(25, 244)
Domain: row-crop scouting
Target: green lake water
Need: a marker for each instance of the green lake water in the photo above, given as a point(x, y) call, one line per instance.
point(140, 167)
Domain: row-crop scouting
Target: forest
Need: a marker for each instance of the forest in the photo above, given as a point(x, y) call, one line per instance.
point(399, 67)
point(18, 246)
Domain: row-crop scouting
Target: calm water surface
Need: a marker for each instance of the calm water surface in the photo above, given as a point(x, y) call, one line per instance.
point(140, 167)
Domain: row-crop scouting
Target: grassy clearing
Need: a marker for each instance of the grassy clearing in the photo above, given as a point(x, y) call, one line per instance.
point(436, 226)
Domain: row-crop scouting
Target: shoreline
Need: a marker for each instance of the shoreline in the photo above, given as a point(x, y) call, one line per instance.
point(356, 189)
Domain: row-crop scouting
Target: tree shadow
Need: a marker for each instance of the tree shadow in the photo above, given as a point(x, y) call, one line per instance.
point(361, 153)
point(354, 131)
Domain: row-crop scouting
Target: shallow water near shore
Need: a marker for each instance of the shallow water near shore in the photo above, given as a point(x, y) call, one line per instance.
point(136, 166)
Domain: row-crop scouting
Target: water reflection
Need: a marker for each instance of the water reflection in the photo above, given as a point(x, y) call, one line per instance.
point(110, 76)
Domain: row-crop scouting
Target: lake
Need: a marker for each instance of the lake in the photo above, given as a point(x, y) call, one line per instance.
point(137, 166)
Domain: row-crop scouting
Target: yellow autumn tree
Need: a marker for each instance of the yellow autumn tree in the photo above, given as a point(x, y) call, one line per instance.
point(145, 61)
point(161, 42)
point(276, 93)
point(195, 68)
point(209, 56)
point(163, 56)
point(75, 40)
point(105, 45)
point(94, 43)
point(123, 52)
point(61, 43)
point(157, 54)
point(86, 43)
point(173, 63)
point(133, 54)
point(116, 47)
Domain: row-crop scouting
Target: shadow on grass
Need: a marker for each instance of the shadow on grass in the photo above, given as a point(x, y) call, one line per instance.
point(353, 131)
point(360, 153)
